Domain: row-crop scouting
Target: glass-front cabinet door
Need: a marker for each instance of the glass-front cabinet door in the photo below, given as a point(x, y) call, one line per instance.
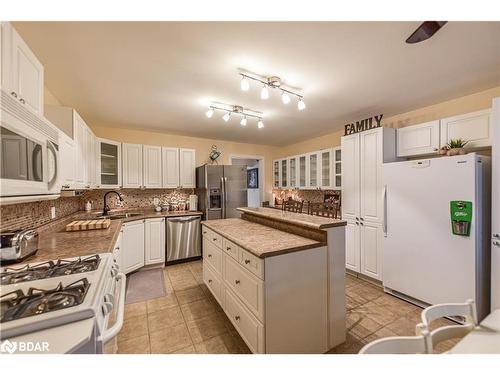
point(326, 169)
point(292, 167)
point(276, 173)
point(284, 173)
point(337, 153)
point(302, 176)
point(312, 162)
point(109, 163)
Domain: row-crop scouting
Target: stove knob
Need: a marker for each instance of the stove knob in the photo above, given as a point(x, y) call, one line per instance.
point(109, 298)
point(107, 307)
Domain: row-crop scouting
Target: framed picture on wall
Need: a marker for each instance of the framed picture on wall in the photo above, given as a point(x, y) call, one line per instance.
point(253, 178)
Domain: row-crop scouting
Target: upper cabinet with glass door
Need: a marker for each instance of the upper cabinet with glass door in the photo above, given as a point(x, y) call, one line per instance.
point(109, 163)
point(313, 169)
point(337, 167)
point(276, 173)
point(302, 171)
point(284, 173)
point(326, 171)
point(292, 168)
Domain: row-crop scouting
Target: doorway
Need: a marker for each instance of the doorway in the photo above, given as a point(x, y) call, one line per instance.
point(255, 164)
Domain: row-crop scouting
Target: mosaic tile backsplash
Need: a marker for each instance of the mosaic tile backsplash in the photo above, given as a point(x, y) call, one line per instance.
point(36, 214)
point(305, 195)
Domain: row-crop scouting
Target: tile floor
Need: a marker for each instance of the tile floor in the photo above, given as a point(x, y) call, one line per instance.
point(189, 320)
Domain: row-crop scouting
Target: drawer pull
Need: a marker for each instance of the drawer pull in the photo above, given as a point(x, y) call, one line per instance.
point(209, 280)
point(228, 248)
point(236, 281)
point(214, 239)
point(247, 261)
point(237, 317)
point(210, 255)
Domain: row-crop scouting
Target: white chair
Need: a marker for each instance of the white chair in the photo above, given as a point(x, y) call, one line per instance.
point(466, 310)
point(401, 344)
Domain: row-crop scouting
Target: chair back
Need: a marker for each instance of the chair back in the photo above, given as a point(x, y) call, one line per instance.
point(325, 209)
point(465, 310)
point(400, 344)
point(293, 205)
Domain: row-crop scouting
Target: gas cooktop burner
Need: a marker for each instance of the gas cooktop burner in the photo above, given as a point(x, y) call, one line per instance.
point(46, 270)
point(17, 305)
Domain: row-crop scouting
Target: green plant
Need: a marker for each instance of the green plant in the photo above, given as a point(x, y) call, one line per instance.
point(457, 143)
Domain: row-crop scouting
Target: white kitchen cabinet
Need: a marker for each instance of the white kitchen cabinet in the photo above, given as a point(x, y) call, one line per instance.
point(187, 164)
point(151, 169)
point(326, 171)
point(363, 155)
point(371, 238)
point(276, 173)
point(89, 159)
point(154, 241)
point(133, 246)
point(118, 251)
point(132, 165)
point(22, 73)
point(495, 206)
point(170, 167)
point(474, 127)
point(67, 153)
point(79, 134)
point(352, 249)
point(109, 163)
point(337, 168)
point(421, 139)
point(284, 173)
point(302, 171)
point(292, 172)
point(312, 170)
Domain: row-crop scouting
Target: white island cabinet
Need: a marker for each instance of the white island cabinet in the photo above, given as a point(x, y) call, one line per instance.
point(278, 297)
point(133, 246)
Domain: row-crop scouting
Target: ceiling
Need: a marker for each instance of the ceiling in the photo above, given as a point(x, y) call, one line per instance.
point(161, 76)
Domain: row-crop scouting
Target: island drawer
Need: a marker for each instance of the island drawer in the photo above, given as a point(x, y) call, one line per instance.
point(248, 287)
point(213, 283)
point(231, 249)
point(212, 237)
point(212, 256)
point(250, 329)
point(252, 263)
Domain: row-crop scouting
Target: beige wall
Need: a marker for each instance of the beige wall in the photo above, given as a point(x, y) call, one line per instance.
point(49, 98)
point(465, 104)
point(201, 145)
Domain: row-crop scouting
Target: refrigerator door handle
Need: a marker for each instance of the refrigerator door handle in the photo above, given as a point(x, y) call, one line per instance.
point(223, 198)
point(384, 219)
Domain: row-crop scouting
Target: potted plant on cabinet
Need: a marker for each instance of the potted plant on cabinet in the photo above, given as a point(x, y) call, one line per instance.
point(454, 147)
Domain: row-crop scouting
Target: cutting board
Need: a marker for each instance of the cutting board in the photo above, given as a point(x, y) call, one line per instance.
point(88, 225)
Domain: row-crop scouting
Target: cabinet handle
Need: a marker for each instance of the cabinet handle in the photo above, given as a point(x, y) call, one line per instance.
point(496, 243)
point(117, 248)
point(496, 235)
point(236, 281)
point(237, 317)
point(210, 255)
point(13, 94)
point(357, 223)
point(361, 224)
point(214, 239)
point(247, 261)
point(22, 100)
point(361, 219)
point(209, 280)
point(357, 218)
point(228, 248)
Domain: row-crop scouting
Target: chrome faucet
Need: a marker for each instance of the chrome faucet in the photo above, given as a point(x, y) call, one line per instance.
point(106, 207)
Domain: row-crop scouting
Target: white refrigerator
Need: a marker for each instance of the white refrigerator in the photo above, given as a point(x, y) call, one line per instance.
point(422, 258)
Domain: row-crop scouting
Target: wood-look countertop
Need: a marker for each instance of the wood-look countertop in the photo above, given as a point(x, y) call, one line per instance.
point(303, 220)
point(55, 243)
point(260, 240)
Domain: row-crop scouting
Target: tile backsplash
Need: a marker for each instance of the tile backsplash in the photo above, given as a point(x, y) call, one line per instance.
point(305, 195)
point(36, 214)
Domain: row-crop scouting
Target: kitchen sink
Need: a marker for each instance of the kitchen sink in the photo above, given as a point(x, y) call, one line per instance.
point(120, 216)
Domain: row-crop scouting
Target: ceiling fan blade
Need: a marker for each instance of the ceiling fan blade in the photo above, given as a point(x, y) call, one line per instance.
point(425, 31)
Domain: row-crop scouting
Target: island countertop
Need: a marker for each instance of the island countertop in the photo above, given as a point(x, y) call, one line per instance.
point(303, 220)
point(260, 240)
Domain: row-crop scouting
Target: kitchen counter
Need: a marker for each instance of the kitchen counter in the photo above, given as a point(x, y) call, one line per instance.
point(260, 240)
point(54, 242)
point(302, 220)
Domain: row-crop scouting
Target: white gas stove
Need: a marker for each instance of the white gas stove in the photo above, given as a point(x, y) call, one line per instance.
point(41, 296)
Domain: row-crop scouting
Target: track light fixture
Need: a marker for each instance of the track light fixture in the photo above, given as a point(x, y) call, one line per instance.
point(274, 83)
point(230, 110)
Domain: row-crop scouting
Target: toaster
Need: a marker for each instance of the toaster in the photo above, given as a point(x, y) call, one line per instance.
point(15, 246)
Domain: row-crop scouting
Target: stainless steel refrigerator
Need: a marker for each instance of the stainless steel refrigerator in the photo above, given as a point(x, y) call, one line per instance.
point(221, 189)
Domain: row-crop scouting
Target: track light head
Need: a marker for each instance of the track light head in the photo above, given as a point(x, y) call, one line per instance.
point(209, 113)
point(245, 85)
point(226, 117)
point(260, 124)
point(285, 98)
point(243, 121)
point(301, 105)
point(264, 93)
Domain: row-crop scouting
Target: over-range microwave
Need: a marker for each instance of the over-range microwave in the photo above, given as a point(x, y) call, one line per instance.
point(29, 162)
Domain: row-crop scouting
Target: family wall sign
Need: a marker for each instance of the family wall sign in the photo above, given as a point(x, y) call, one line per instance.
point(362, 125)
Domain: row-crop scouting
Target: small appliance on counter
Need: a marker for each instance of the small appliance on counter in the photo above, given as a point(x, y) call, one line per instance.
point(15, 246)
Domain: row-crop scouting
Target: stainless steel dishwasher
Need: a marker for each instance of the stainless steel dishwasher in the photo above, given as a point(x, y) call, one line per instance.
point(183, 238)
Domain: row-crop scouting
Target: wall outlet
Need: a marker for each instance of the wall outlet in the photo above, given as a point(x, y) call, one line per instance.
point(52, 212)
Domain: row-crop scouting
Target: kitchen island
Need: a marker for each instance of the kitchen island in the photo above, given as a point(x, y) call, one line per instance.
point(281, 282)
